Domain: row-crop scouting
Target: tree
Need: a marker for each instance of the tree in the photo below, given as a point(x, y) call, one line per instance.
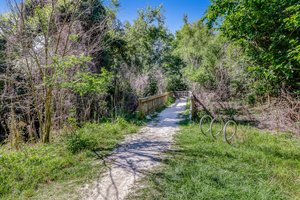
point(148, 43)
point(269, 31)
point(48, 44)
point(212, 62)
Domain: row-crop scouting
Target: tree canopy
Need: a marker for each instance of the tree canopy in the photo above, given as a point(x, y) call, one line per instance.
point(269, 31)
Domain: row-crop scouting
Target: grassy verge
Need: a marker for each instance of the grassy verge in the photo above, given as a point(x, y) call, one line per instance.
point(71, 159)
point(260, 165)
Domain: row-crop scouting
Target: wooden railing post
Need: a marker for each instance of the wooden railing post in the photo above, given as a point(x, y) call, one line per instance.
point(193, 107)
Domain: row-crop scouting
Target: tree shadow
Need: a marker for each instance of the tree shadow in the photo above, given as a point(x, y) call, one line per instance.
point(136, 157)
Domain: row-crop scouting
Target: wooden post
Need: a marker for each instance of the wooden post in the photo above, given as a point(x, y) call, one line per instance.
point(193, 107)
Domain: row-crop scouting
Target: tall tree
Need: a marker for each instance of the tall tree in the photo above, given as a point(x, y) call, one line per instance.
point(269, 30)
point(212, 62)
point(48, 45)
point(148, 42)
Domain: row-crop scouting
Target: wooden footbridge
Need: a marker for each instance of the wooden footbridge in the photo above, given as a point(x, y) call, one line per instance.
point(148, 105)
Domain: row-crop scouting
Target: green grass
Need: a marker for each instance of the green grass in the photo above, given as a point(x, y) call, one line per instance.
point(36, 168)
point(259, 165)
point(170, 100)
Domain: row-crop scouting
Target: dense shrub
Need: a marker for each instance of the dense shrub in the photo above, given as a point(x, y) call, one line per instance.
point(170, 100)
point(98, 136)
point(79, 141)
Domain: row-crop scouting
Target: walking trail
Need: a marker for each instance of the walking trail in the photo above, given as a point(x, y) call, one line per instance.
point(136, 155)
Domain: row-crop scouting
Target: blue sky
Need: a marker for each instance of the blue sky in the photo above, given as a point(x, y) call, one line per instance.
point(173, 10)
point(3, 6)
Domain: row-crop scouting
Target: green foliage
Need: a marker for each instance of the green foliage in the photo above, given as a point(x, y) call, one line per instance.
point(98, 136)
point(251, 100)
point(83, 82)
point(190, 40)
point(147, 39)
point(170, 100)
point(149, 49)
point(152, 87)
point(61, 66)
point(259, 166)
point(292, 23)
point(90, 83)
point(272, 44)
point(36, 166)
point(176, 82)
point(174, 68)
point(211, 60)
point(80, 141)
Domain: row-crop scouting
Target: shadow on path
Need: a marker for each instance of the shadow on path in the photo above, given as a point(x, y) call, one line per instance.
point(136, 156)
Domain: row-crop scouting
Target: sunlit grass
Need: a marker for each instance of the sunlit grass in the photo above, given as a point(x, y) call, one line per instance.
point(36, 167)
point(258, 165)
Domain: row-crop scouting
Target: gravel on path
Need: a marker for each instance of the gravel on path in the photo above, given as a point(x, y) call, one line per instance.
point(135, 156)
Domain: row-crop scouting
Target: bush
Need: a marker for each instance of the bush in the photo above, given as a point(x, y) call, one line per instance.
point(98, 136)
point(80, 141)
point(170, 100)
point(251, 99)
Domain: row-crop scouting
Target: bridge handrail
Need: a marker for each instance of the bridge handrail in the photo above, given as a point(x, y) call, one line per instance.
point(146, 105)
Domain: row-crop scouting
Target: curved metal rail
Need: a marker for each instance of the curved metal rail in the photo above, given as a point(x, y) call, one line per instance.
point(229, 128)
point(202, 121)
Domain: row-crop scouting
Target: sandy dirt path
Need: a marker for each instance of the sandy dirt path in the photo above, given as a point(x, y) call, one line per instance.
point(136, 156)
